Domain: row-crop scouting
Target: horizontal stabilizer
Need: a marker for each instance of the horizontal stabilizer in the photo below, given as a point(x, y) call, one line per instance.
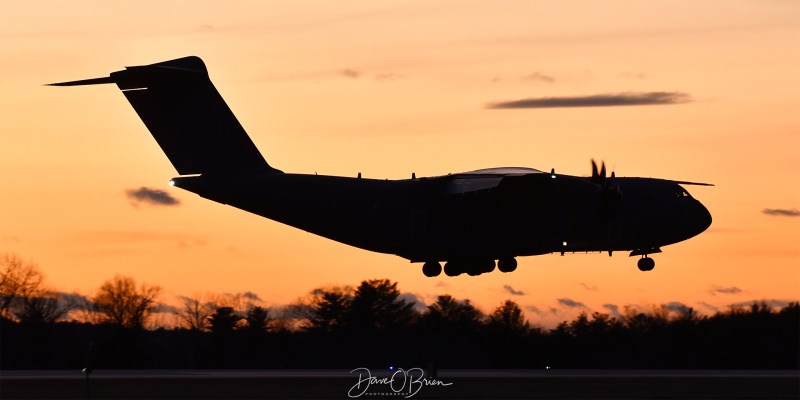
point(95, 81)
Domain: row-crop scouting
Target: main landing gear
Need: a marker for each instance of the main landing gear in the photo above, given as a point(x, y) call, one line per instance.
point(431, 269)
point(646, 264)
point(507, 264)
point(470, 267)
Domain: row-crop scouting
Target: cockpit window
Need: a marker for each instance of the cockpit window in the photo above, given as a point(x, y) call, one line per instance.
point(681, 192)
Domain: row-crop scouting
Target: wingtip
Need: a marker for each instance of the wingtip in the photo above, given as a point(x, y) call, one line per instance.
point(693, 183)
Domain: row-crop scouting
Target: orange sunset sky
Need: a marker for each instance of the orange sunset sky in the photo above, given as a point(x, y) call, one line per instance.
point(394, 87)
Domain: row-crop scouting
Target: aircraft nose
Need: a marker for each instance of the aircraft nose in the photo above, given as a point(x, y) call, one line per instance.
point(702, 218)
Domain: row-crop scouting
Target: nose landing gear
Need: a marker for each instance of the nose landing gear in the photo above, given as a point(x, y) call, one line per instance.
point(646, 264)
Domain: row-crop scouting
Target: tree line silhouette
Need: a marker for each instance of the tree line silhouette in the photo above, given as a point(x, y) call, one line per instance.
point(370, 325)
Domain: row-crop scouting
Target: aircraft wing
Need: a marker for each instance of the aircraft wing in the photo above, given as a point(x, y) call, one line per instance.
point(515, 182)
point(485, 180)
point(458, 185)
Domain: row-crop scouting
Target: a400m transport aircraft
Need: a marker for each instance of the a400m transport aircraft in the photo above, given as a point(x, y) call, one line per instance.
point(473, 221)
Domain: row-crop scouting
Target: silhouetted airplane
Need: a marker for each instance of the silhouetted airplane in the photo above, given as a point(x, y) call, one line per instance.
point(468, 220)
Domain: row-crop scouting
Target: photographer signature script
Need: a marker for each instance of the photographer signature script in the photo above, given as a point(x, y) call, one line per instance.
point(408, 382)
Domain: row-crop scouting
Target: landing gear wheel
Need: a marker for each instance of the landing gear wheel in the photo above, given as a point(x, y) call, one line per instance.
point(507, 264)
point(452, 269)
point(474, 267)
point(646, 264)
point(431, 269)
point(488, 266)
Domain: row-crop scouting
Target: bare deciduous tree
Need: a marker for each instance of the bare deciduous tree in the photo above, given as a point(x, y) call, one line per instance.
point(195, 312)
point(44, 307)
point(122, 304)
point(292, 317)
point(18, 279)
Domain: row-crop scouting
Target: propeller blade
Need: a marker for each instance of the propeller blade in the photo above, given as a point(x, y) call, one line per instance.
point(599, 174)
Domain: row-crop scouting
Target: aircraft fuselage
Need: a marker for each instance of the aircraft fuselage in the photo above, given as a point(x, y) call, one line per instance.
point(417, 219)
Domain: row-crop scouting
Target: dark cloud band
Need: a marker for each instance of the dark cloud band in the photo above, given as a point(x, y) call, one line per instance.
point(597, 100)
point(570, 303)
point(726, 290)
point(777, 212)
point(513, 292)
point(152, 196)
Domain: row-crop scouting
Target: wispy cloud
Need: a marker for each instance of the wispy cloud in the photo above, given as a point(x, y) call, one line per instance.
point(77, 301)
point(206, 28)
point(613, 309)
point(185, 244)
point(537, 76)
point(534, 310)
point(350, 73)
point(415, 299)
point(773, 303)
point(151, 196)
point(589, 287)
point(513, 292)
point(570, 303)
point(597, 100)
point(388, 77)
point(676, 307)
point(125, 237)
point(379, 77)
point(633, 75)
point(781, 212)
point(709, 306)
point(239, 300)
point(165, 308)
point(251, 296)
point(725, 290)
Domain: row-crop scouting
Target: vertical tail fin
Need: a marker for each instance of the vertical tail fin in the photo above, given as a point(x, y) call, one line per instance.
point(187, 116)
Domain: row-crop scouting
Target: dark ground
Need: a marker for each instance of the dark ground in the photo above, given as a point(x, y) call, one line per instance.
point(489, 384)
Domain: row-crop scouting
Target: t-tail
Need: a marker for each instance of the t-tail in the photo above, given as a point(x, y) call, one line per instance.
point(187, 116)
